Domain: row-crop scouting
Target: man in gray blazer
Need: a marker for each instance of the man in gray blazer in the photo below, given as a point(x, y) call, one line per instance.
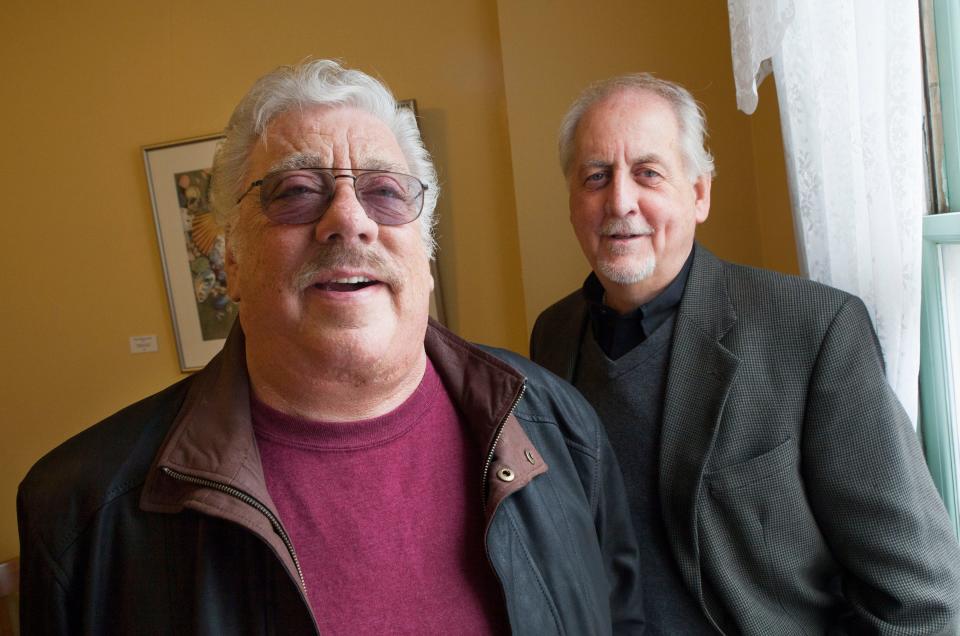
point(776, 484)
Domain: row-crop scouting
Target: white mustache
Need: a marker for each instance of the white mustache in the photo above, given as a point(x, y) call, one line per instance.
point(625, 227)
point(337, 256)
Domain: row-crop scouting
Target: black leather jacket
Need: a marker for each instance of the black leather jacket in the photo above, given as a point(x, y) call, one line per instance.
point(157, 520)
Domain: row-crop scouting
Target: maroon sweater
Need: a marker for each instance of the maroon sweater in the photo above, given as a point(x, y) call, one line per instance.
point(385, 516)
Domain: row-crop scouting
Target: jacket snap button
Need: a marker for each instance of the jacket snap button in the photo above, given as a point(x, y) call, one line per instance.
point(529, 456)
point(505, 474)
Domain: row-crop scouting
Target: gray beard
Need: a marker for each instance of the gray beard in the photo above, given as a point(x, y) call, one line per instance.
point(629, 274)
point(634, 271)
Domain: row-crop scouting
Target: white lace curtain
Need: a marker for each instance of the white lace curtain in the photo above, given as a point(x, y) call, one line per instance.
point(850, 87)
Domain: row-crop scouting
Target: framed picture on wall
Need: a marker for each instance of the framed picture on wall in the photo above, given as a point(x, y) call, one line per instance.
point(436, 298)
point(191, 247)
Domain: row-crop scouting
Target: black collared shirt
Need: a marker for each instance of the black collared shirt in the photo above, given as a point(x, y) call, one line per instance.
point(619, 333)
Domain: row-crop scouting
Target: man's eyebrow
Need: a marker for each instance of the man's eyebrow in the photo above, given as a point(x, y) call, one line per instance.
point(381, 164)
point(647, 158)
point(298, 161)
point(596, 163)
point(302, 161)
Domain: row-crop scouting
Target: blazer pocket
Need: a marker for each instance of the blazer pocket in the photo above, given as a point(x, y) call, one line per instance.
point(757, 469)
point(761, 544)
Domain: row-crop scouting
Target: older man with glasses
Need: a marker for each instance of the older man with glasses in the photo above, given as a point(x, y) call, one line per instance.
point(343, 466)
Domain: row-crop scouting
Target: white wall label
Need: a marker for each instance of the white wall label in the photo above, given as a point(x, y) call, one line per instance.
point(143, 344)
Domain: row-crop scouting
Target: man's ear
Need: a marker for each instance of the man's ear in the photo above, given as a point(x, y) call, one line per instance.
point(232, 264)
point(701, 189)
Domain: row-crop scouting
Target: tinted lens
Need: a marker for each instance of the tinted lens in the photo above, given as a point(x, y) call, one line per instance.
point(302, 196)
point(296, 196)
point(389, 198)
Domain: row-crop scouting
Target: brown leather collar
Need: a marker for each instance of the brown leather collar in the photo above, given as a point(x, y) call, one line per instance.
point(212, 436)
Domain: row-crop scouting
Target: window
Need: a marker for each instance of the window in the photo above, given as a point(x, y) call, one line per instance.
point(940, 322)
point(940, 355)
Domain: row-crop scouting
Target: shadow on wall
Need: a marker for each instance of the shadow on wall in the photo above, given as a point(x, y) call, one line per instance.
point(433, 126)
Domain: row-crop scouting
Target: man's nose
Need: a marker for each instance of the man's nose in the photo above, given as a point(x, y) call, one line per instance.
point(623, 195)
point(345, 219)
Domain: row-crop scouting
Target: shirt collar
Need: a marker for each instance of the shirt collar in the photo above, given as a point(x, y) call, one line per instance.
point(618, 333)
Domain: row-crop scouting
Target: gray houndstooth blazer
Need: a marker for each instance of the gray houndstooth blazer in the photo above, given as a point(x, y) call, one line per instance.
point(792, 486)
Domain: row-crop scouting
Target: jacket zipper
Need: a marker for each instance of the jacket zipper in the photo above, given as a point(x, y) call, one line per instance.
point(496, 439)
point(250, 501)
point(486, 474)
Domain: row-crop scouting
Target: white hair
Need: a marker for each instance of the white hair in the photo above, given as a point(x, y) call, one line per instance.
point(321, 83)
point(690, 118)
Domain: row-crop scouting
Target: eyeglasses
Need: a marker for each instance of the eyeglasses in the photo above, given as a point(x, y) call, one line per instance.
point(303, 196)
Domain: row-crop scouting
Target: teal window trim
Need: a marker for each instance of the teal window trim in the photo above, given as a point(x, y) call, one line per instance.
point(947, 24)
point(941, 431)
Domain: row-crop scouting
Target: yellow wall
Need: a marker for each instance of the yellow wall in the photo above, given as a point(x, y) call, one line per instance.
point(85, 88)
point(778, 246)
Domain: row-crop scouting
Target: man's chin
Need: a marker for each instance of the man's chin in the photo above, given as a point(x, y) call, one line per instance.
point(627, 273)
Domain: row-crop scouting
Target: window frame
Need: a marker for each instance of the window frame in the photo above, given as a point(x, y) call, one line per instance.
point(941, 437)
point(947, 25)
point(939, 423)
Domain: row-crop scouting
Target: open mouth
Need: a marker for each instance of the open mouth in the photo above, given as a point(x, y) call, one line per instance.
point(626, 236)
point(350, 284)
point(623, 237)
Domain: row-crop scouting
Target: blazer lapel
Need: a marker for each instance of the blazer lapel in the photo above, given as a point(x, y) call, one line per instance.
point(699, 377)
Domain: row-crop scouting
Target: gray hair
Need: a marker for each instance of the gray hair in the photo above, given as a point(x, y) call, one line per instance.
point(322, 83)
point(690, 118)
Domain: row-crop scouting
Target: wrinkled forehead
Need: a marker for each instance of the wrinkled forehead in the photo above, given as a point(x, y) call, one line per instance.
point(326, 137)
point(626, 120)
point(629, 109)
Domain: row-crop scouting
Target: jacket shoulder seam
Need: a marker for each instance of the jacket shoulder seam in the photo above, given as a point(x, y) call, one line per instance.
point(70, 539)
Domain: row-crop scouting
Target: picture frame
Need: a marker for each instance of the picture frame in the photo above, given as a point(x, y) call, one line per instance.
point(191, 246)
point(437, 308)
